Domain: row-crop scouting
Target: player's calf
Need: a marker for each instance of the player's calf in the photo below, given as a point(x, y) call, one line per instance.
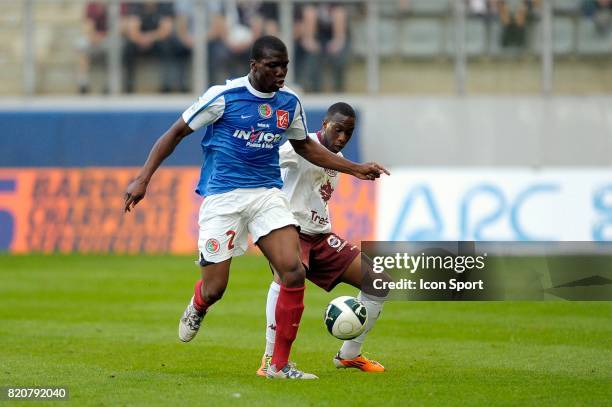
point(210, 295)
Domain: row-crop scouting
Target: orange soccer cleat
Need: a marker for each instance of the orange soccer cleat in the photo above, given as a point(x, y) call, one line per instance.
point(360, 362)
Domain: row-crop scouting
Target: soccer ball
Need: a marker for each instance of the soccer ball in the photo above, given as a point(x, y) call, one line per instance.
point(346, 317)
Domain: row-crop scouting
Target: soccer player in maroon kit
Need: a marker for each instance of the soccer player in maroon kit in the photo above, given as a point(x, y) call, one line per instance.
point(328, 258)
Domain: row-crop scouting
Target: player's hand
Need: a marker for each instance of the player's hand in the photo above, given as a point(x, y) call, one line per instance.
point(370, 171)
point(134, 193)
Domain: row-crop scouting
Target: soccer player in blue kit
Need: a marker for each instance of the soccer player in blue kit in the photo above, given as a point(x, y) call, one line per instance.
point(246, 120)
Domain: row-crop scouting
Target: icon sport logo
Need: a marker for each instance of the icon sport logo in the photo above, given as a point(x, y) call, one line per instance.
point(282, 119)
point(212, 246)
point(265, 111)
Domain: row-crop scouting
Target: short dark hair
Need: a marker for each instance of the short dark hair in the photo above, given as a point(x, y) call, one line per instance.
point(266, 42)
point(342, 108)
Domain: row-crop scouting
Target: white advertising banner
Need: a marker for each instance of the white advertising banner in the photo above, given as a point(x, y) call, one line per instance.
point(507, 204)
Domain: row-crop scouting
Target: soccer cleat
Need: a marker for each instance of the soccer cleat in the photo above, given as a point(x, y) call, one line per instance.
point(360, 362)
point(265, 364)
point(288, 372)
point(190, 322)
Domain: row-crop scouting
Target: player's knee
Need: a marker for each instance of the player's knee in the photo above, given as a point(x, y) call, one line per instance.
point(368, 286)
point(289, 265)
point(292, 273)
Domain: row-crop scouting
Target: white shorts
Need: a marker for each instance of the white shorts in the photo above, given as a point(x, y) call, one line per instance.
point(226, 220)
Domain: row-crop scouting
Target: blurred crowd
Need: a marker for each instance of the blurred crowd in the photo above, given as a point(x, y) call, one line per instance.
point(164, 32)
point(514, 16)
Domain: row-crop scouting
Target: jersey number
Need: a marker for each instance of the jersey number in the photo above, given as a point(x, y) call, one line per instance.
point(232, 235)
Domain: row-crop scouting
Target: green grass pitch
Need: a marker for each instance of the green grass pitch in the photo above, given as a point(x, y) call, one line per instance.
point(106, 327)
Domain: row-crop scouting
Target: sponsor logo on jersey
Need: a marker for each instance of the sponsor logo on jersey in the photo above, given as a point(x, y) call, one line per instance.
point(318, 219)
point(212, 246)
point(331, 173)
point(282, 119)
point(265, 111)
point(259, 138)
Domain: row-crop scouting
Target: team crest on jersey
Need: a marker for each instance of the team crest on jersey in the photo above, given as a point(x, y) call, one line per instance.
point(212, 246)
point(282, 119)
point(265, 111)
point(333, 242)
point(326, 191)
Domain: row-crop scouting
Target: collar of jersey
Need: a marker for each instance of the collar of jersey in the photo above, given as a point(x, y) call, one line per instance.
point(255, 91)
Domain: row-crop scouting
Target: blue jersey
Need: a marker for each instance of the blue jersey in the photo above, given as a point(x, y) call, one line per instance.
point(244, 130)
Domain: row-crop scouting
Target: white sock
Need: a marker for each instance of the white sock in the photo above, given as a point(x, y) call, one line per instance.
point(271, 317)
point(351, 349)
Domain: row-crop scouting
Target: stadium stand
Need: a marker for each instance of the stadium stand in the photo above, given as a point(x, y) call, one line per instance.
point(589, 42)
point(11, 46)
point(57, 24)
point(422, 37)
point(476, 37)
point(419, 35)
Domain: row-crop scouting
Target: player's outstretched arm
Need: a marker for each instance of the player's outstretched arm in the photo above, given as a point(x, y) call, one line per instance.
point(163, 147)
point(322, 157)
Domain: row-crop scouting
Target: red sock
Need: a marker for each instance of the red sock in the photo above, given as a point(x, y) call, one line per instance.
point(289, 308)
point(198, 302)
